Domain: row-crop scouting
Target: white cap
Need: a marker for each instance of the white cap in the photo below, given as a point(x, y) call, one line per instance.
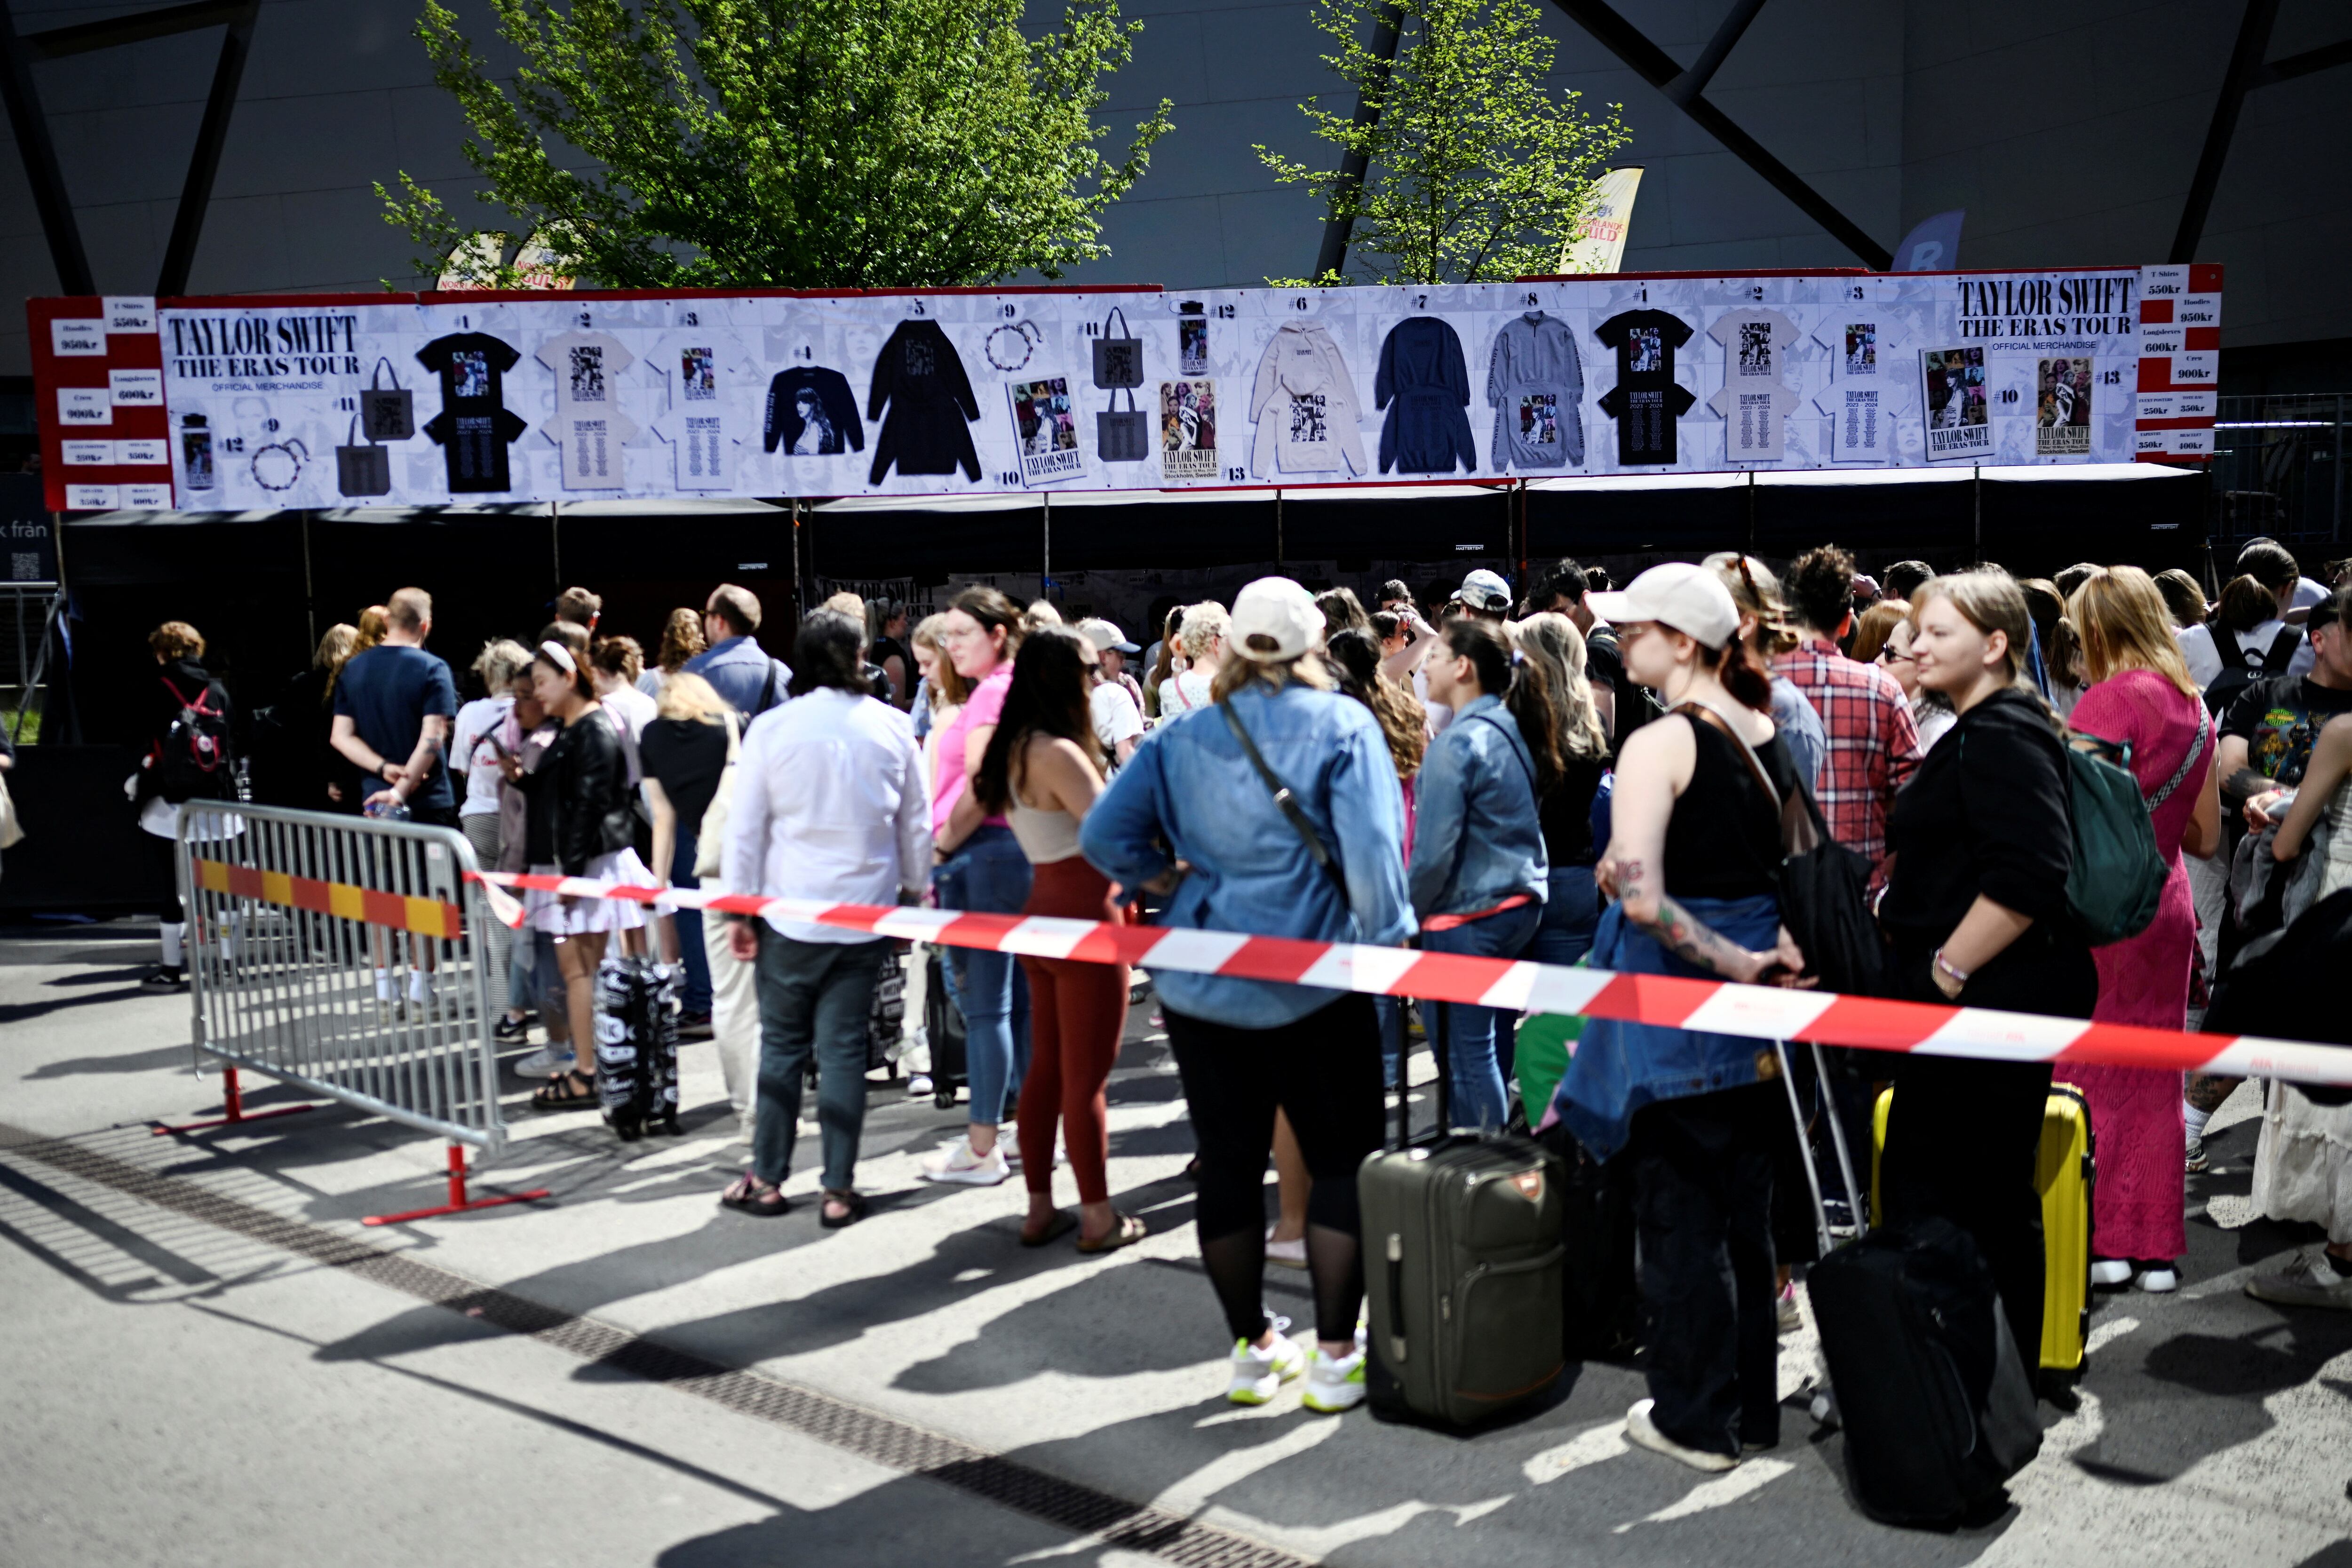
point(1483, 590)
point(1105, 636)
point(1691, 599)
point(1276, 608)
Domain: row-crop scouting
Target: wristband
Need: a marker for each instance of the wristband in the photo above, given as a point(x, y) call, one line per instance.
point(1959, 977)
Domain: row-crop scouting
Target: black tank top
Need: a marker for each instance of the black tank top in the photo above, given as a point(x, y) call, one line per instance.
point(1724, 839)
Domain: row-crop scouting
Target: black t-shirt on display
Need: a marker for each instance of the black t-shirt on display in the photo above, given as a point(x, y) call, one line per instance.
point(684, 756)
point(1646, 400)
point(2279, 719)
point(474, 426)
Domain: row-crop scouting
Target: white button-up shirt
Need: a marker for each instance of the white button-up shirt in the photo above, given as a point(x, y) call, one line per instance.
point(832, 801)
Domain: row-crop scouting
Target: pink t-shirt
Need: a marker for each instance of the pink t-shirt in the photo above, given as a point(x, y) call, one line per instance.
point(983, 707)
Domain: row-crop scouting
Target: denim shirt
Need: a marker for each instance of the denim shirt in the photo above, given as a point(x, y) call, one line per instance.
point(1620, 1067)
point(1475, 839)
point(1191, 784)
point(737, 670)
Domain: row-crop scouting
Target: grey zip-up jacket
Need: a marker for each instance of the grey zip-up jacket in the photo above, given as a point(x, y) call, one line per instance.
point(1535, 380)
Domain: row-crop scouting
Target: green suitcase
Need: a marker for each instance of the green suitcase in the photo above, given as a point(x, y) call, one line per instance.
point(1462, 1237)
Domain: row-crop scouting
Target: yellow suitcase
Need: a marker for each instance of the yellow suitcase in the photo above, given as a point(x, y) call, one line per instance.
point(2064, 1174)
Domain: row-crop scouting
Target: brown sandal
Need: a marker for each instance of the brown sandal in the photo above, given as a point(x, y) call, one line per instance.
point(748, 1195)
point(1126, 1230)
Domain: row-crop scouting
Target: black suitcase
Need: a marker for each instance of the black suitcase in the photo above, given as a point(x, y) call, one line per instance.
point(637, 1045)
point(944, 1023)
point(1601, 1299)
point(1462, 1239)
point(1937, 1409)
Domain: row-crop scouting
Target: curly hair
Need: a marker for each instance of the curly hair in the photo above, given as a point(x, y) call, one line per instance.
point(1822, 586)
point(1355, 658)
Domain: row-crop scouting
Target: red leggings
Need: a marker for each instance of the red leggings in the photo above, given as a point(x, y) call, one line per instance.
point(1077, 1011)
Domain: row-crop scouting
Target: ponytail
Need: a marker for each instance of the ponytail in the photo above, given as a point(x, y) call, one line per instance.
point(1748, 681)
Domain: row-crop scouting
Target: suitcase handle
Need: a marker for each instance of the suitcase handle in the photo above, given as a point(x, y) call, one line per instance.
point(1837, 1137)
point(1440, 1048)
point(1396, 1297)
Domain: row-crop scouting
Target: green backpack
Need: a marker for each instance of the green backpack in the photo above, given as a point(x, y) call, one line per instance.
point(2119, 877)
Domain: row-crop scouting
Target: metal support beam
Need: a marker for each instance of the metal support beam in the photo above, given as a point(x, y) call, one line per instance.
point(2245, 64)
point(1687, 87)
point(204, 159)
point(1339, 226)
point(1659, 69)
point(2304, 64)
point(30, 123)
point(40, 155)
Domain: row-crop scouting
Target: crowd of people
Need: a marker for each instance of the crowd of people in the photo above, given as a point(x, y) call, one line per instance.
point(1574, 774)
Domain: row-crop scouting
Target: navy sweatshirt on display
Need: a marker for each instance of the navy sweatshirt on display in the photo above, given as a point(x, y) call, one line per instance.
point(1428, 427)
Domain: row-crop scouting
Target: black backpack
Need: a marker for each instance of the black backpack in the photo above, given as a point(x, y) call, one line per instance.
point(2241, 669)
point(194, 760)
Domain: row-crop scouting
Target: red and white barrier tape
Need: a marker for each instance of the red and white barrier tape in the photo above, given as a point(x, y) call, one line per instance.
point(1759, 1012)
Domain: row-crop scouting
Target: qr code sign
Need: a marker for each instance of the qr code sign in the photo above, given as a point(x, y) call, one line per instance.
point(23, 566)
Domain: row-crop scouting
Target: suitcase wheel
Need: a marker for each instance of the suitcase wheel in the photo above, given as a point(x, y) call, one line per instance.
point(944, 1099)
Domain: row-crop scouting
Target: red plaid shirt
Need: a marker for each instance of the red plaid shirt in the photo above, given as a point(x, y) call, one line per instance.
point(1873, 742)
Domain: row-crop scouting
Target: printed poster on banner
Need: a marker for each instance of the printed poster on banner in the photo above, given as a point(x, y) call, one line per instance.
point(1187, 431)
point(2062, 420)
point(1959, 421)
point(1047, 432)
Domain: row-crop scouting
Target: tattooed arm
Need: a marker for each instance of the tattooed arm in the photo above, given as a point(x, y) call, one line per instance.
point(1652, 773)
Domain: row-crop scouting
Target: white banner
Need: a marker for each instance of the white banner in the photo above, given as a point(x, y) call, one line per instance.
point(585, 397)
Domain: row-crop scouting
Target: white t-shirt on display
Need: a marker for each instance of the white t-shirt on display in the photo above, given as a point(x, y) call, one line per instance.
point(712, 382)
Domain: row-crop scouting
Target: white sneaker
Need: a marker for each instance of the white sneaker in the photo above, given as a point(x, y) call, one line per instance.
point(2159, 1281)
point(958, 1165)
point(1333, 1386)
point(1287, 1254)
point(1641, 1431)
point(545, 1062)
point(1259, 1374)
point(2111, 1272)
point(918, 1086)
point(2309, 1281)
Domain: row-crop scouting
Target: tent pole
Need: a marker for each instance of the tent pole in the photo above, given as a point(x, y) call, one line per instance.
point(796, 559)
point(555, 544)
point(310, 603)
point(1277, 529)
point(1045, 573)
point(1976, 507)
point(1751, 511)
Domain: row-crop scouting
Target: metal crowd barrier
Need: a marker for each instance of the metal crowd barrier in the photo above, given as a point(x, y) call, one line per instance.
point(293, 918)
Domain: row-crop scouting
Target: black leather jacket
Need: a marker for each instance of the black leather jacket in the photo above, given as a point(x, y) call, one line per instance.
point(580, 805)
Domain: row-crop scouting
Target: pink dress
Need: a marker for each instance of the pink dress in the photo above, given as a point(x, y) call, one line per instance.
point(2136, 1112)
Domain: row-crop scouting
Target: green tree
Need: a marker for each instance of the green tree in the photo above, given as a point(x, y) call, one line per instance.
point(1459, 164)
point(794, 144)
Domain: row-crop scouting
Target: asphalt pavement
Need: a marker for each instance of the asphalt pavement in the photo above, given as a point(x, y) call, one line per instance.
point(208, 1360)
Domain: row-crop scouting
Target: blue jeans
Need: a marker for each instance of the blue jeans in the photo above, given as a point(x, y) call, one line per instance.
point(1480, 1052)
point(989, 875)
point(1570, 917)
point(815, 997)
point(688, 926)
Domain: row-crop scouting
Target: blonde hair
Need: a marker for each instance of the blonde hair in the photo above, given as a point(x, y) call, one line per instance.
point(685, 695)
point(500, 660)
point(2120, 616)
point(1552, 639)
point(1307, 669)
point(847, 604)
point(947, 686)
point(681, 639)
point(1755, 591)
point(335, 648)
point(1204, 623)
point(178, 639)
point(1991, 600)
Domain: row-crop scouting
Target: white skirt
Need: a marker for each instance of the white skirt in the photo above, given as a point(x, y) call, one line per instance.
point(620, 869)
point(2303, 1162)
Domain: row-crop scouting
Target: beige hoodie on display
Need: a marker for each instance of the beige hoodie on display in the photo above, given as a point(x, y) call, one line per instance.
point(1306, 407)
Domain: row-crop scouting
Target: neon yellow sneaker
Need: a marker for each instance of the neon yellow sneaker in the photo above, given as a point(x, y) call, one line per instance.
point(1333, 1386)
point(1259, 1374)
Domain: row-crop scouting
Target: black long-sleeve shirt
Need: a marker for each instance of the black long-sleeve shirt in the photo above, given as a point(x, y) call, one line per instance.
point(809, 395)
point(918, 375)
point(1988, 814)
